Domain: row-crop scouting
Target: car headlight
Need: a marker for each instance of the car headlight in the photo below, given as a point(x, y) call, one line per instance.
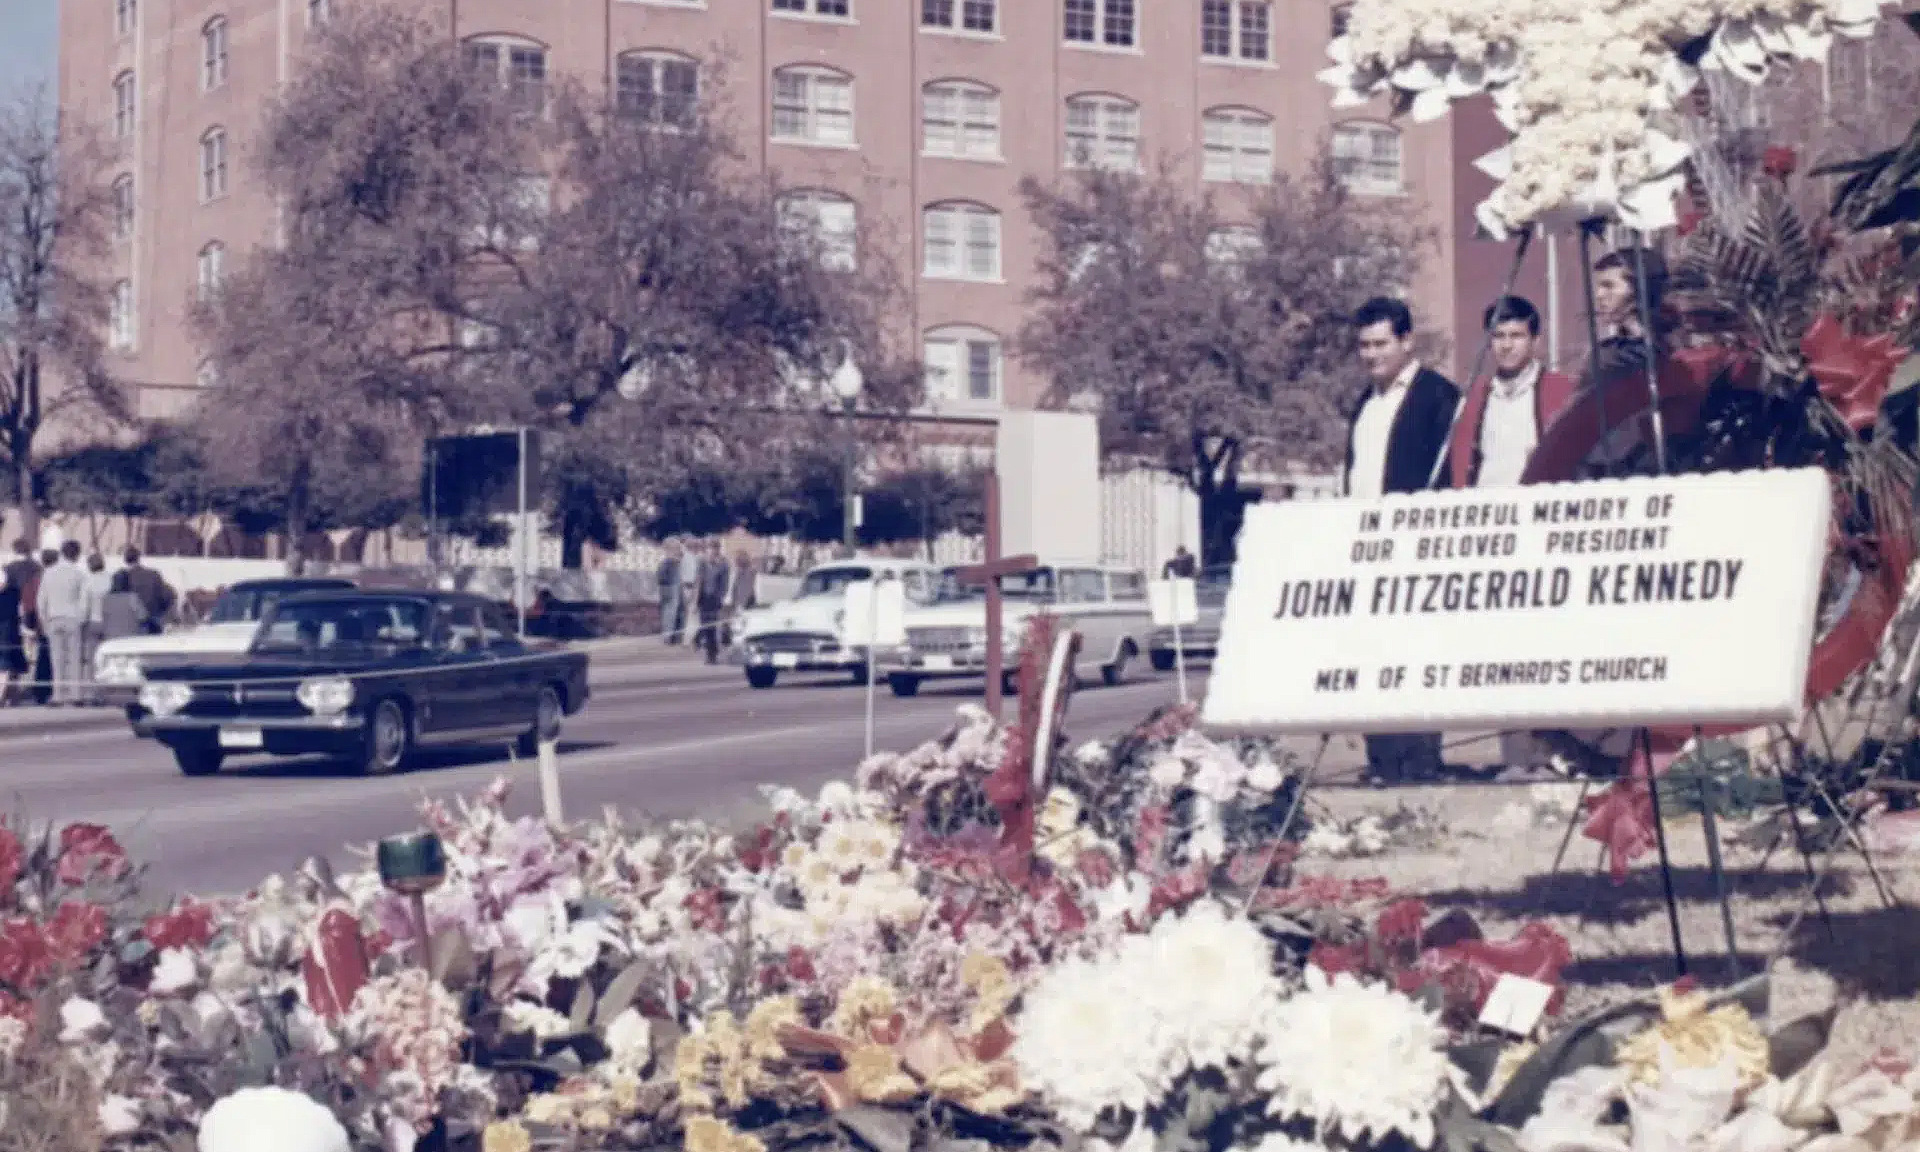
point(165, 697)
point(119, 670)
point(325, 696)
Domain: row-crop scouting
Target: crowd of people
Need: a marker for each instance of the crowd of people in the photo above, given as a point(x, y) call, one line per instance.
point(57, 608)
point(701, 592)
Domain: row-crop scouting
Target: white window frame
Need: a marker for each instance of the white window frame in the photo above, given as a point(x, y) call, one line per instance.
point(126, 105)
point(969, 125)
point(815, 114)
point(831, 220)
point(211, 268)
point(1243, 46)
point(126, 17)
point(213, 54)
point(126, 205)
point(840, 11)
point(1103, 147)
point(1352, 164)
point(961, 17)
point(1115, 24)
point(967, 356)
point(213, 165)
point(120, 317)
point(531, 95)
point(961, 240)
point(1236, 146)
point(655, 60)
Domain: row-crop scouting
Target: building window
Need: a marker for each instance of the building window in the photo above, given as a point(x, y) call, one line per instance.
point(1233, 245)
point(962, 242)
point(521, 67)
point(962, 366)
point(1108, 22)
point(123, 207)
point(839, 9)
point(960, 15)
point(213, 54)
point(1338, 20)
point(813, 106)
point(318, 12)
point(213, 164)
point(126, 13)
point(120, 316)
point(124, 105)
point(1236, 29)
point(657, 88)
point(1103, 132)
point(1367, 159)
point(213, 268)
point(826, 220)
point(960, 118)
point(1238, 145)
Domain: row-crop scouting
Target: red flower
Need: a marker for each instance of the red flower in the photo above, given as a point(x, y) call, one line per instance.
point(14, 1008)
point(12, 862)
point(1622, 819)
point(24, 956)
point(76, 929)
point(87, 851)
point(1400, 922)
point(188, 925)
point(800, 965)
point(1779, 161)
point(1853, 372)
point(1333, 959)
point(1468, 971)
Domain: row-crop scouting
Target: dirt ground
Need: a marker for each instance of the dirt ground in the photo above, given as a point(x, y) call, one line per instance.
point(1864, 954)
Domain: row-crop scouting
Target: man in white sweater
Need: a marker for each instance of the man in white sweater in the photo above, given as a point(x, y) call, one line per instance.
point(63, 604)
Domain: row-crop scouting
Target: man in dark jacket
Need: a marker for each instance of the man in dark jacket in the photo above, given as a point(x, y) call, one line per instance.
point(156, 596)
point(716, 582)
point(1398, 434)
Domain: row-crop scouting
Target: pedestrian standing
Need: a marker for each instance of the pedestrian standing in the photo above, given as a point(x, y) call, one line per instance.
point(99, 587)
point(63, 604)
point(715, 576)
point(1182, 566)
point(121, 613)
point(42, 690)
point(667, 575)
point(691, 562)
point(744, 591)
point(156, 595)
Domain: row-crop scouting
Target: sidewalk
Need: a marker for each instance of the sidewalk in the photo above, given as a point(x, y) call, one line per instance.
point(613, 662)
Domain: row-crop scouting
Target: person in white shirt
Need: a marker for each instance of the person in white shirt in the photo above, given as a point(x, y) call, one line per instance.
point(1395, 443)
point(1503, 416)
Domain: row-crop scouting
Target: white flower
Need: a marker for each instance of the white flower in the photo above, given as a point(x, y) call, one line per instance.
point(837, 797)
point(119, 1115)
point(277, 1118)
point(630, 1041)
point(1130, 894)
point(1218, 778)
point(81, 1020)
point(568, 956)
point(542, 1022)
point(175, 972)
point(13, 1037)
point(1092, 752)
point(1080, 1008)
point(1360, 1060)
point(1265, 775)
point(1217, 978)
point(228, 971)
point(1167, 771)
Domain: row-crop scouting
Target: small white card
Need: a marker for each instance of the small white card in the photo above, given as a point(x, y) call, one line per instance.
point(876, 614)
point(1172, 602)
point(1516, 1004)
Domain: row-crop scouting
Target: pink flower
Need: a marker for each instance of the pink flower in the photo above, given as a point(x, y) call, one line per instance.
point(12, 861)
point(87, 851)
point(77, 928)
point(188, 925)
point(24, 956)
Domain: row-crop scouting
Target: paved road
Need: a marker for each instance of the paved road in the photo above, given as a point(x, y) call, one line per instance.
point(697, 746)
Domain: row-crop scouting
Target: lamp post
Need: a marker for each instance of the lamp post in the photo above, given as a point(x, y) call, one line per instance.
point(846, 383)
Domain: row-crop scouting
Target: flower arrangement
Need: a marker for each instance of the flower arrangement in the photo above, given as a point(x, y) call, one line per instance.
point(1588, 90)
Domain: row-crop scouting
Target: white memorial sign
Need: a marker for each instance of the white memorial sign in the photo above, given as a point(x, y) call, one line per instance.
point(1650, 600)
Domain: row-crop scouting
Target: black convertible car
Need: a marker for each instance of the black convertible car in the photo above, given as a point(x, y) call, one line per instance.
point(368, 677)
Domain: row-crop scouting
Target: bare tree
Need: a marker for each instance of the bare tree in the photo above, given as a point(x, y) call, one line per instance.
point(1205, 345)
point(55, 216)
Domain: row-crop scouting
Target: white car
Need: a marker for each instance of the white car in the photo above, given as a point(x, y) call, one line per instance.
point(804, 634)
point(1106, 605)
point(120, 666)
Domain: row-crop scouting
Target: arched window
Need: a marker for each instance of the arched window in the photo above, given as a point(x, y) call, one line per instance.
point(213, 164)
point(813, 106)
point(520, 65)
point(213, 54)
point(125, 105)
point(1238, 146)
point(960, 118)
point(827, 220)
point(1367, 158)
point(212, 268)
point(123, 206)
point(120, 326)
point(657, 87)
point(961, 241)
point(963, 365)
point(1103, 132)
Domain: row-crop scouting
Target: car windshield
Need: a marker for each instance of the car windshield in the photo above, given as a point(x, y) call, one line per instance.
point(1210, 591)
point(246, 605)
point(1035, 586)
point(832, 581)
point(333, 626)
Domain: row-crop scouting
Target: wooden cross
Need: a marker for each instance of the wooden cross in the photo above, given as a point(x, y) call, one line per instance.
point(989, 570)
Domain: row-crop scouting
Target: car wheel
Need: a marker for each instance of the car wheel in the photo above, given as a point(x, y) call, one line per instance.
point(389, 739)
point(1163, 659)
point(863, 674)
point(198, 760)
point(1112, 674)
point(903, 684)
point(547, 716)
point(762, 677)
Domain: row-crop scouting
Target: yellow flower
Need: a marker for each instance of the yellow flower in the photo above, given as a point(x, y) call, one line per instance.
point(1511, 1058)
point(866, 999)
point(795, 855)
point(876, 1076)
point(764, 1024)
point(625, 1093)
point(506, 1136)
point(695, 1099)
point(596, 1119)
point(548, 1109)
point(961, 1082)
point(1693, 1037)
point(705, 1134)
